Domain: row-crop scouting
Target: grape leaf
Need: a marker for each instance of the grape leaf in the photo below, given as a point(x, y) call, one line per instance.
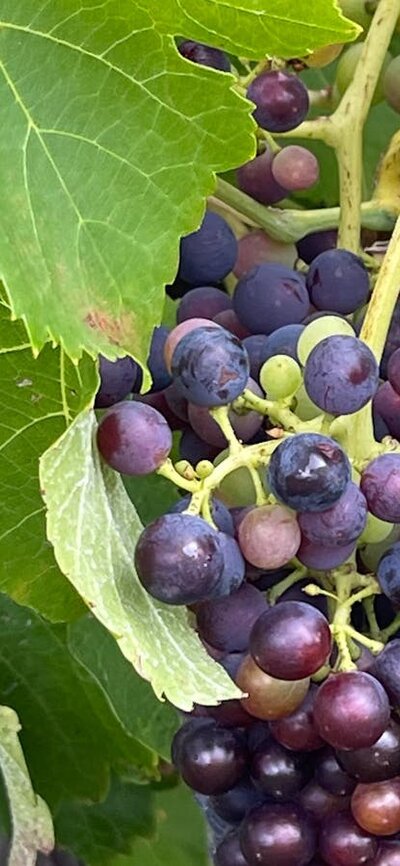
point(98, 833)
point(131, 698)
point(181, 834)
point(70, 734)
point(125, 137)
point(254, 28)
point(39, 398)
point(32, 827)
point(94, 528)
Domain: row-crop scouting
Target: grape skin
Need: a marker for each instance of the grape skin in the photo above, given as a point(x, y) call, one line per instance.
point(282, 835)
point(134, 438)
point(386, 404)
point(257, 247)
point(338, 280)
point(321, 557)
point(245, 425)
point(256, 179)
point(315, 243)
point(310, 641)
point(178, 333)
point(281, 101)
point(298, 731)
point(269, 698)
point(226, 623)
point(376, 763)
point(211, 759)
point(208, 254)
point(343, 843)
point(388, 574)
point(318, 329)
point(295, 167)
point(210, 366)
point(376, 807)
point(341, 375)
point(380, 484)
point(277, 772)
point(308, 472)
point(219, 512)
point(339, 525)
point(386, 668)
point(117, 379)
point(205, 55)
point(351, 710)
point(204, 302)
point(229, 852)
point(269, 536)
point(270, 296)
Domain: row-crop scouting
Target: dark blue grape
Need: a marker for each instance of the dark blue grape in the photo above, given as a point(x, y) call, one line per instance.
point(308, 472)
point(255, 178)
point(376, 763)
point(388, 574)
point(229, 852)
point(341, 375)
point(380, 484)
point(205, 302)
point(220, 514)
point(338, 281)
point(193, 449)
point(205, 55)
point(386, 669)
point(386, 404)
point(278, 835)
point(270, 296)
point(315, 243)
point(179, 560)
point(339, 525)
point(278, 772)
point(134, 438)
point(156, 399)
point(380, 427)
point(226, 623)
point(208, 254)
point(256, 348)
point(176, 402)
point(394, 371)
point(281, 100)
point(234, 805)
point(343, 843)
point(331, 776)
point(156, 362)
point(210, 366)
point(392, 340)
point(234, 566)
point(117, 380)
point(284, 341)
point(323, 558)
point(212, 759)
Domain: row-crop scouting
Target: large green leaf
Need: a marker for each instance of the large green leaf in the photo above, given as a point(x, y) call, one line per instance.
point(118, 832)
point(253, 28)
point(124, 136)
point(132, 699)
point(32, 827)
point(39, 398)
point(70, 734)
point(94, 529)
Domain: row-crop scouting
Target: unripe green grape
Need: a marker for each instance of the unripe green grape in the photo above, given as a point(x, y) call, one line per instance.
point(375, 530)
point(346, 69)
point(280, 376)
point(372, 553)
point(391, 84)
point(204, 468)
point(305, 409)
point(356, 10)
point(324, 326)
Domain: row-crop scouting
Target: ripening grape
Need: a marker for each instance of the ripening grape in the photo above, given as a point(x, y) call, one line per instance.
point(177, 334)
point(391, 83)
point(117, 379)
point(380, 484)
point(220, 514)
point(226, 623)
point(324, 56)
point(318, 330)
point(204, 302)
point(388, 574)
point(310, 642)
point(375, 530)
point(269, 536)
point(257, 247)
point(280, 376)
point(269, 698)
point(298, 731)
point(338, 280)
point(346, 68)
point(339, 525)
point(269, 296)
point(277, 772)
point(376, 807)
point(278, 835)
point(256, 179)
point(134, 438)
point(205, 55)
point(342, 842)
point(295, 167)
point(281, 100)
point(210, 758)
point(210, 366)
point(377, 762)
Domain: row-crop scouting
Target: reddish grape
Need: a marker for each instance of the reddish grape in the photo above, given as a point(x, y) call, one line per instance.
point(229, 320)
point(298, 731)
point(320, 803)
point(380, 484)
point(179, 332)
point(351, 710)
point(211, 759)
point(376, 807)
point(277, 772)
point(377, 762)
point(343, 843)
point(134, 438)
point(278, 835)
point(281, 100)
point(307, 650)
point(256, 179)
point(295, 167)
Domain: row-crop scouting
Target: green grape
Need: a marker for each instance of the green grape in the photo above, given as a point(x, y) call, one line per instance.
point(391, 84)
point(347, 66)
point(306, 410)
point(237, 489)
point(356, 10)
point(375, 530)
point(280, 376)
point(372, 553)
point(324, 326)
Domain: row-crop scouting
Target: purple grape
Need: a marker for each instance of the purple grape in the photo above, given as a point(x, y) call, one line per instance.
point(234, 805)
point(331, 776)
point(338, 281)
point(351, 710)
point(278, 772)
point(380, 484)
point(117, 380)
point(387, 404)
point(388, 854)
point(376, 763)
point(234, 567)
point(257, 247)
point(320, 803)
point(257, 349)
point(394, 371)
point(245, 424)
point(219, 512)
point(380, 427)
point(295, 167)
point(210, 366)
point(179, 559)
point(179, 332)
point(256, 179)
point(211, 759)
point(270, 296)
point(341, 375)
point(388, 574)
point(310, 641)
point(315, 243)
point(229, 852)
point(176, 402)
point(339, 525)
point(156, 362)
point(205, 302)
point(392, 340)
point(134, 438)
point(284, 341)
point(208, 254)
point(228, 319)
point(297, 731)
point(386, 669)
point(343, 843)
point(323, 558)
point(156, 399)
point(193, 449)
point(205, 55)
point(226, 623)
point(277, 835)
point(308, 472)
point(281, 100)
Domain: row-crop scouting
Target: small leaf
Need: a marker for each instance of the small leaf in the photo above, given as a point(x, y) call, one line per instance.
point(32, 828)
point(181, 834)
point(94, 528)
point(255, 28)
point(39, 399)
point(131, 698)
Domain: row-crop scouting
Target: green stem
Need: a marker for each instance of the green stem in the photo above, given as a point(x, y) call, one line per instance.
point(279, 413)
point(380, 309)
point(375, 646)
point(391, 629)
point(221, 417)
point(286, 583)
point(261, 495)
point(369, 608)
point(292, 224)
point(167, 470)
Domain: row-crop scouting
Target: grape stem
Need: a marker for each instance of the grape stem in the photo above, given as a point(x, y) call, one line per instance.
point(342, 630)
point(391, 629)
point(279, 588)
point(167, 470)
point(221, 417)
point(279, 413)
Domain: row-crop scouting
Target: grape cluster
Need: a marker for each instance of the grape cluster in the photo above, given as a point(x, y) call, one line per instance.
point(273, 540)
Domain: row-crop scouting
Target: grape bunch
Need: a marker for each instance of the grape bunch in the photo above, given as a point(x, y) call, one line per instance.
point(284, 545)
